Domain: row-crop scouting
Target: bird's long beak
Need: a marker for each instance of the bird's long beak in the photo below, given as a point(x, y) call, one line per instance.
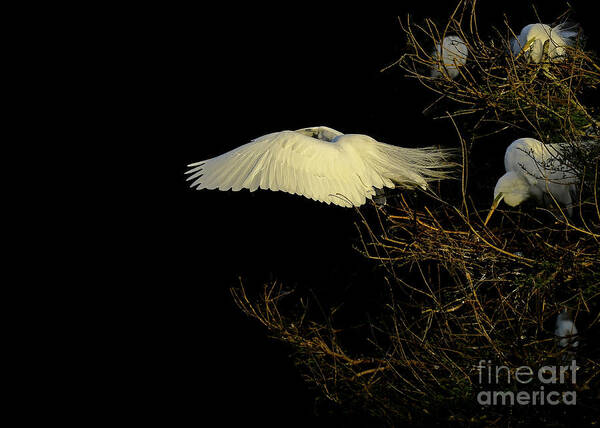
point(526, 47)
point(494, 206)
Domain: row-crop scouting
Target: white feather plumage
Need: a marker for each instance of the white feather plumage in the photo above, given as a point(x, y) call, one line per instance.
point(323, 164)
point(538, 170)
point(451, 54)
point(559, 38)
point(566, 331)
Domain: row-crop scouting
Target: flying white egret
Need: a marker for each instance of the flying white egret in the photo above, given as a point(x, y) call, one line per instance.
point(322, 164)
point(449, 55)
point(566, 331)
point(534, 169)
point(533, 36)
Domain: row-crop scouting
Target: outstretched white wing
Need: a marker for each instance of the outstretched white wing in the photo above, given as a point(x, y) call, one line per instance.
point(344, 171)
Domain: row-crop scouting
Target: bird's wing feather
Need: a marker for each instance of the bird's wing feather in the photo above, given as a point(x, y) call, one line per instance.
point(566, 33)
point(343, 172)
point(515, 46)
point(542, 166)
point(521, 157)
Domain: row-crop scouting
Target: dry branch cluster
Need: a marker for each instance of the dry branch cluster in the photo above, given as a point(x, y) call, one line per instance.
point(502, 90)
point(458, 291)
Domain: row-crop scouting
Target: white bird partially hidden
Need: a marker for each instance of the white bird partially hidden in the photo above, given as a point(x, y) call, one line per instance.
point(532, 38)
point(538, 170)
point(566, 331)
point(449, 55)
point(323, 164)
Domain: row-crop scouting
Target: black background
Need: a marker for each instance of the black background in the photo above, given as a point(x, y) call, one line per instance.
point(202, 82)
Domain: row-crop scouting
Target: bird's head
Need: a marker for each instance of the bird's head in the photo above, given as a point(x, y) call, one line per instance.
point(513, 188)
point(565, 315)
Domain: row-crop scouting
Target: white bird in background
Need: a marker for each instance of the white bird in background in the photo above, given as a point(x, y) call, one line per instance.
point(533, 36)
point(450, 55)
point(566, 330)
point(534, 169)
point(323, 164)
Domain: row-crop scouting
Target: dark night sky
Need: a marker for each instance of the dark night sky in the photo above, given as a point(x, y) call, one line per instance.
point(213, 80)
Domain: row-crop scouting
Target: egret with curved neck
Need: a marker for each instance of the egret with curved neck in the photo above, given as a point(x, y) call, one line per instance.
point(535, 169)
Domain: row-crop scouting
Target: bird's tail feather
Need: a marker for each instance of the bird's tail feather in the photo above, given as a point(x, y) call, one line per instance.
point(413, 167)
point(568, 32)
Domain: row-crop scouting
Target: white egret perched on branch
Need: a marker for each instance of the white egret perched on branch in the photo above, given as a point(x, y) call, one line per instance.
point(449, 55)
point(533, 37)
point(323, 164)
point(534, 169)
